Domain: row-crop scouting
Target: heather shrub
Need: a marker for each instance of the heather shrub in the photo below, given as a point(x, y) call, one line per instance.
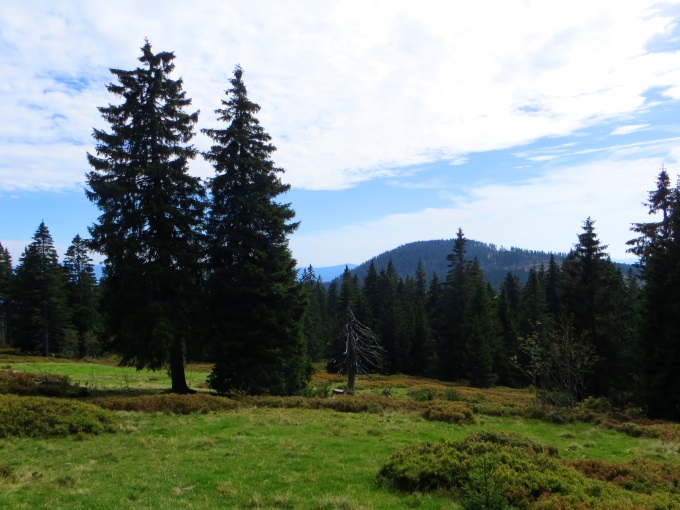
point(169, 403)
point(50, 417)
point(493, 470)
point(449, 413)
point(452, 395)
point(421, 394)
point(27, 383)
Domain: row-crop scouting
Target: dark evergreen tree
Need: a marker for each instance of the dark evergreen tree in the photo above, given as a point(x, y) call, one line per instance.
point(508, 309)
point(659, 250)
point(257, 306)
point(390, 320)
point(151, 213)
point(451, 313)
point(591, 288)
point(480, 330)
point(6, 284)
point(372, 294)
point(316, 325)
point(83, 296)
point(553, 277)
point(40, 312)
point(421, 339)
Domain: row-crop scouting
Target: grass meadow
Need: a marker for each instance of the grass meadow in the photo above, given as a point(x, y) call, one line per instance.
point(292, 453)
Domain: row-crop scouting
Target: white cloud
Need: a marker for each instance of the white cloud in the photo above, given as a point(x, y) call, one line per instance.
point(632, 128)
point(544, 213)
point(349, 90)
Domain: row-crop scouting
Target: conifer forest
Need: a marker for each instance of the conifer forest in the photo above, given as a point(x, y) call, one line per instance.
point(202, 271)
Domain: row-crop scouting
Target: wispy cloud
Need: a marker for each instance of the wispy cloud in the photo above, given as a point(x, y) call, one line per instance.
point(350, 90)
point(543, 213)
point(626, 130)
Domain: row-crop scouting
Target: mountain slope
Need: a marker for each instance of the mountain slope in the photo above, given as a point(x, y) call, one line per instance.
point(495, 262)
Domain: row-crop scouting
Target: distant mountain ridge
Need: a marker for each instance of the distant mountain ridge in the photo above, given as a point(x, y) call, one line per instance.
point(495, 262)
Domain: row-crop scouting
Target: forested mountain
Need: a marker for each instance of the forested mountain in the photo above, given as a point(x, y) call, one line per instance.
point(495, 262)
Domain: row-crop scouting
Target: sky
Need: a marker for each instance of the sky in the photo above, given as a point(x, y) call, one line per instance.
point(394, 121)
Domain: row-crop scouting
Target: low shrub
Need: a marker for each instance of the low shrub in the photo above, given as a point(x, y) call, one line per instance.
point(168, 403)
point(452, 395)
point(27, 383)
point(51, 417)
point(421, 394)
point(449, 413)
point(637, 475)
point(502, 470)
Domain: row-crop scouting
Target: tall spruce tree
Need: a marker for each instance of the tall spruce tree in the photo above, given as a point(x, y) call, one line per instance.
point(151, 213)
point(591, 290)
point(451, 313)
point(83, 295)
point(40, 312)
point(6, 281)
point(481, 331)
point(256, 304)
point(658, 247)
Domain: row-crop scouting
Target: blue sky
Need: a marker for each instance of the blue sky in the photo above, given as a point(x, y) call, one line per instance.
point(512, 120)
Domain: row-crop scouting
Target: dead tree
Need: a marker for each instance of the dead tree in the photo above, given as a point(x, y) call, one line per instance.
point(362, 353)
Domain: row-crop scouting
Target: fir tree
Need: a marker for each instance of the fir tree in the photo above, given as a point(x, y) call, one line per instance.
point(480, 330)
point(316, 319)
point(659, 250)
point(40, 310)
point(151, 212)
point(590, 290)
point(257, 305)
point(83, 295)
point(6, 283)
point(451, 337)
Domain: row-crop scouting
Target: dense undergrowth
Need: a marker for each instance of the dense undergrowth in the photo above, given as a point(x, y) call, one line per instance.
point(493, 470)
point(22, 416)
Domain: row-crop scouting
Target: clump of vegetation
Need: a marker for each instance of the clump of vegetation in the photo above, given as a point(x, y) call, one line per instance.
point(51, 417)
point(637, 475)
point(501, 470)
point(169, 403)
point(449, 412)
point(421, 394)
point(27, 383)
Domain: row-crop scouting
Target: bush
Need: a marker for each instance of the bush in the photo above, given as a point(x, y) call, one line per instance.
point(27, 383)
point(449, 413)
point(497, 470)
point(421, 394)
point(452, 395)
point(51, 417)
point(168, 403)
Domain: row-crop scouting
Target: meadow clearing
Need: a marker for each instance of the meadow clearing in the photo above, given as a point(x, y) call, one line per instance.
point(138, 447)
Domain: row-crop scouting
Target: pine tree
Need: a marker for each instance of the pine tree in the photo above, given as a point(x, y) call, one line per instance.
point(451, 313)
point(508, 309)
point(151, 213)
point(591, 287)
point(316, 322)
point(480, 329)
point(391, 320)
point(257, 305)
point(83, 295)
point(40, 310)
point(659, 250)
point(421, 339)
point(6, 284)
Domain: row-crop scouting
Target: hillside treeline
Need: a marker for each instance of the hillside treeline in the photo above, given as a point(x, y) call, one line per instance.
point(575, 328)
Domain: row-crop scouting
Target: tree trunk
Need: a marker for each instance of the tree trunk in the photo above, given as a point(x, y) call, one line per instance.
point(177, 376)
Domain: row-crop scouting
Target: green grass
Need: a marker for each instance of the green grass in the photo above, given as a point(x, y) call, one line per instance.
point(261, 456)
point(96, 376)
